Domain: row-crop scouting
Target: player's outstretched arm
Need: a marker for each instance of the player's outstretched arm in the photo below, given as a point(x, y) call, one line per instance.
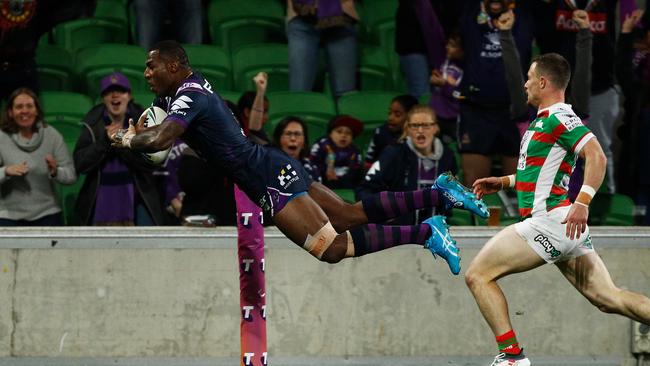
point(483, 186)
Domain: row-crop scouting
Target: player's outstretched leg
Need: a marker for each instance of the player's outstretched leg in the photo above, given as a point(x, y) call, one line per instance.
point(454, 195)
point(441, 243)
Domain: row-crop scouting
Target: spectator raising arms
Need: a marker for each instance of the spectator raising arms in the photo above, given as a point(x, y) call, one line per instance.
point(32, 155)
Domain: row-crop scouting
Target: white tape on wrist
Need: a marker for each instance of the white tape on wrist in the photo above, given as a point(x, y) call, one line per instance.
point(588, 190)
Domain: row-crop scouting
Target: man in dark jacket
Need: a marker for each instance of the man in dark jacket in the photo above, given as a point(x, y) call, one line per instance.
point(119, 188)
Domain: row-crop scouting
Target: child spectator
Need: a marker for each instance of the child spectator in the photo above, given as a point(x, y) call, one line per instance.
point(337, 159)
point(445, 91)
point(390, 132)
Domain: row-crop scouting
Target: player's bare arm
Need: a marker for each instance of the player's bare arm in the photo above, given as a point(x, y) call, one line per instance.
point(595, 165)
point(152, 139)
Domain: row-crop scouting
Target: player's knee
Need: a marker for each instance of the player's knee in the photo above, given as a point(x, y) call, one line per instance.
point(472, 278)
point(320, 244)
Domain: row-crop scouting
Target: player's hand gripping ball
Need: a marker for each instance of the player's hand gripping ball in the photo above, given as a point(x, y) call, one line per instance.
point(154, 116)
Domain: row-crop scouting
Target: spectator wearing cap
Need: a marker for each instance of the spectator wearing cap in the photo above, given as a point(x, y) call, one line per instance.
point(335, 156)
point(119, 188)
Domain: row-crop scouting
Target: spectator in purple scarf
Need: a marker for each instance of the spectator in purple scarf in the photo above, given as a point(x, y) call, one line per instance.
point(119, 189)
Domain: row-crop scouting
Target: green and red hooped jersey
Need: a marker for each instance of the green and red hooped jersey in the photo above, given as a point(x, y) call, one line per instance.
point(547, 156)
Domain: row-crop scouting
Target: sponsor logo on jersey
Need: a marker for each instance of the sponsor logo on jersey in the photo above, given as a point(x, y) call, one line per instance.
point(181, 103)
point(287, 176)
point(539, 124)
point(569, 120)
point(548, 247)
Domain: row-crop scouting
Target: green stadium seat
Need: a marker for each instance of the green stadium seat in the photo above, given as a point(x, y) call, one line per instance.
point(113, 11)
point(70, 130)
point(95, 62)
point(380, 22)
point(271, 58)
point(612, 210)
point(316, 109)
point(80, 33)
point(370, 107)
point(374, 70)
point(64, 106)
point(143, 98)
point(459, 218)
point(213, 62)
point(235, 23)
point(54, 67)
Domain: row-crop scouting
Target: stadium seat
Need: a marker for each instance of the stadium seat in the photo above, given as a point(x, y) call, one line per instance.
point(234, 23)
point(80, 33)
point(144, 98)
point(459, 218)
point(213, 62)
point(271, 58)
point(70, 130)
point(113, 11)
point(370, 107)
point(380, 22)
point(95, 62)
point(64, 106)
point(374, 70)
point(612, 210)
point(315, 108)
point(54, 67)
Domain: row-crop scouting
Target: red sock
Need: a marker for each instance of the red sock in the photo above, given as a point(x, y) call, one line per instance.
point(508, 343)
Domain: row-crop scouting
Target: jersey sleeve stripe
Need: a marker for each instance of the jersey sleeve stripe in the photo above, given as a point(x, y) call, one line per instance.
point(558, 190)
point(582, 142)
point(565, 167)
point(558, 131)
point(525, 186)
point(523, 212)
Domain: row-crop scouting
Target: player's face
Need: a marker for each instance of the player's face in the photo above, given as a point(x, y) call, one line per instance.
point(23, 111)
point(533, 85)
point(396, 117)
point(342, 136)
point(157, 75)
point(292, 140)
point(116, 101)
point(422, 129)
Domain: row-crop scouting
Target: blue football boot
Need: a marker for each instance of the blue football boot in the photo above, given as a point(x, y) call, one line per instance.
point(455, 195)
point(440, 243)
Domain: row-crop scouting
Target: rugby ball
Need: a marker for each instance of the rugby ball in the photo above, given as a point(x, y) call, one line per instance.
point(153, 117)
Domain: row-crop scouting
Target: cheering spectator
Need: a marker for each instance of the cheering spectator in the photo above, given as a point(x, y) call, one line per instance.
point(290, 135)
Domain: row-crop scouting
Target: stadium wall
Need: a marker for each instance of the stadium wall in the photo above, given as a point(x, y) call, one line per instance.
point(173, 292)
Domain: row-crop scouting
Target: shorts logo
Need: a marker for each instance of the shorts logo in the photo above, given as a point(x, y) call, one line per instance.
point(287, 176)
point(548, 247)
point(587, 243)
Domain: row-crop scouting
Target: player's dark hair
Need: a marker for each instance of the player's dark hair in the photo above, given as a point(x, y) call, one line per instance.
point(555, 68)
point(279, 130)
point(172, 50)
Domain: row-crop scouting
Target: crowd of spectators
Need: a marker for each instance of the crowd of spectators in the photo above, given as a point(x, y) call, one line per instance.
point(464, 59)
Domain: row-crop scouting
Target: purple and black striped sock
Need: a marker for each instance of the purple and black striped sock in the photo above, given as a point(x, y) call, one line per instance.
point(387, 205)
point(373, 238)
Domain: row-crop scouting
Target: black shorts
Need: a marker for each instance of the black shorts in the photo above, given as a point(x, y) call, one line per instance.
point(487, 131)
point(284, 179)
